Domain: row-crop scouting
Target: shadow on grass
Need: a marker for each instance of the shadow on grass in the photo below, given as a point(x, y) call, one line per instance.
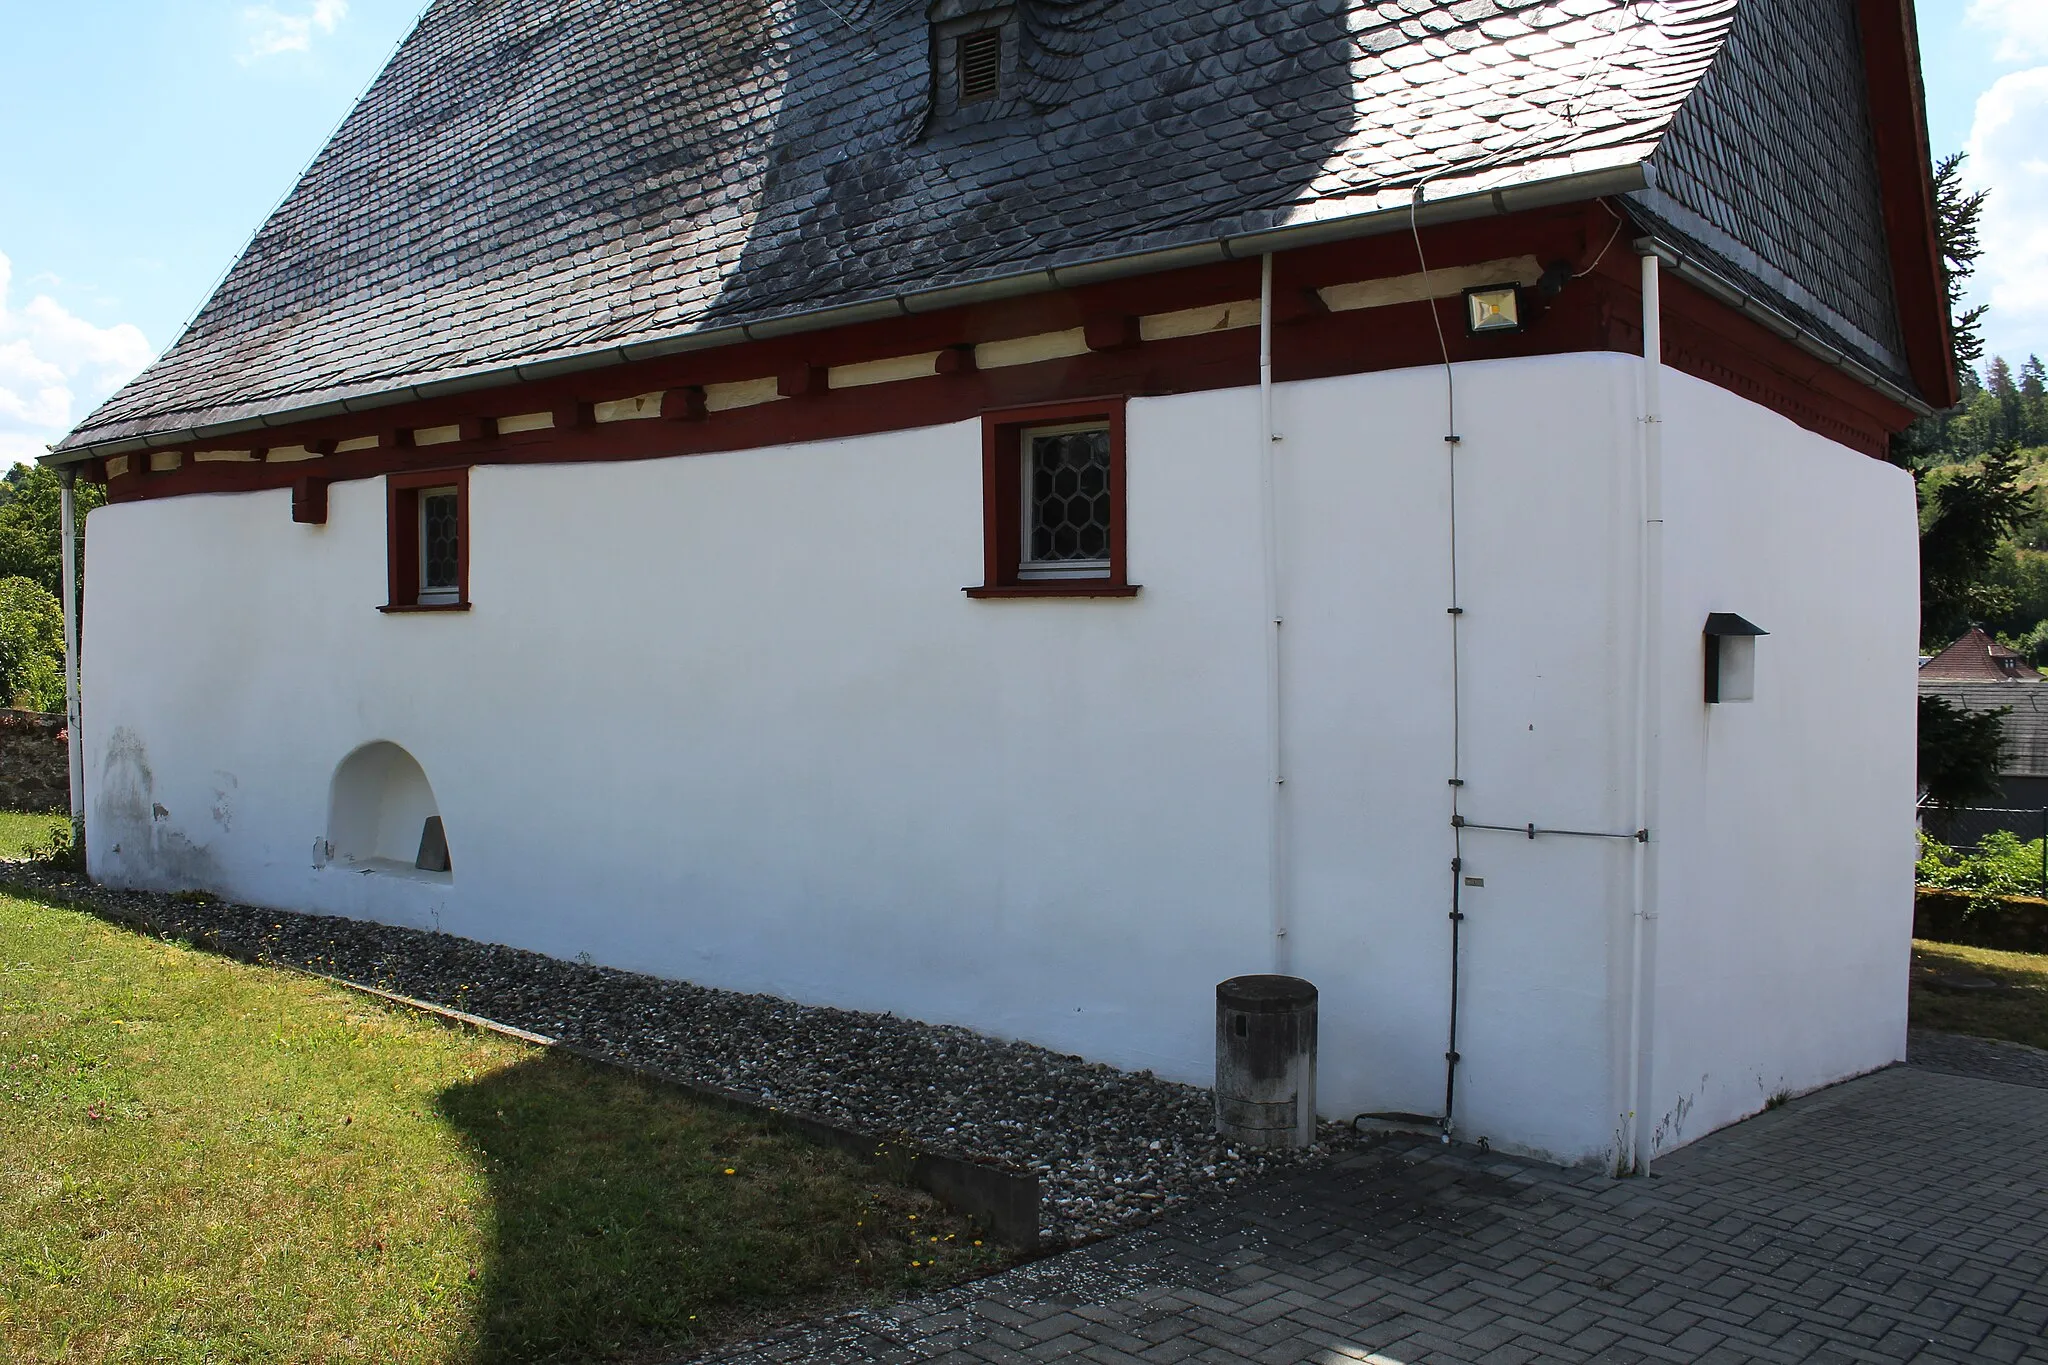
point(630, 1219)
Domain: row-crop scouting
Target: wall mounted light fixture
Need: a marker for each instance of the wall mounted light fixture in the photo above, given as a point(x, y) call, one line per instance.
point(1731, 657)
point(1493, 308)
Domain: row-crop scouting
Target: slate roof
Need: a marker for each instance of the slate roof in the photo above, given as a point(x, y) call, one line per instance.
point(1976, 657)
point(1766, 173)
point(530, 182)
point(2025, 727)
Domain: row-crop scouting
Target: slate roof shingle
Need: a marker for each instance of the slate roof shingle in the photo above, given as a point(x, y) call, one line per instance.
point(533, 180)
point(1766, 170)
point(2025, 727)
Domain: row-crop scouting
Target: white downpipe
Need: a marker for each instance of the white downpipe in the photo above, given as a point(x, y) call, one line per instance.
point(1276, 852)
point(67, 515)
point(1649, 730)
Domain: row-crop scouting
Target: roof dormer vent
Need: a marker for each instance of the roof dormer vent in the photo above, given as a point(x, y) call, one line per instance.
point(980, 62)
point(975, 48)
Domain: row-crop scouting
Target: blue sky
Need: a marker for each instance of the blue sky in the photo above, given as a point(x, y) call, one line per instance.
point(145, 139)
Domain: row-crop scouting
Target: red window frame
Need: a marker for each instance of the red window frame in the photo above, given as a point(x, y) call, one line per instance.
point(1002, 480)
point(402, 537)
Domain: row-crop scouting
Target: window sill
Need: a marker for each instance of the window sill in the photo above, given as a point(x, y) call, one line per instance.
point(1070, 587)
point(406, 607)
point(392, 867)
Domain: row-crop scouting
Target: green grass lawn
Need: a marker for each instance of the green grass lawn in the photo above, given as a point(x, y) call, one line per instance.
point(1980, 991)
point(206, 1161)
point(20, 832)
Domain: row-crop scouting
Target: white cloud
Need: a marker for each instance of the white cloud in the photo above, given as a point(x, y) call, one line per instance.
point(2021, 26)
point(54, 368)
point(272, 31)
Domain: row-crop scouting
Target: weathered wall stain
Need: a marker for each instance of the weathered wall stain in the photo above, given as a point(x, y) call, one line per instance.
point(136, 843)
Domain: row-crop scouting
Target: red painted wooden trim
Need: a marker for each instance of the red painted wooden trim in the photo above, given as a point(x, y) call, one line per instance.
point(684, 403)
point(1079, 587)
point(309, 501)
point(1898, 124)
point(1545, 232)
point(1111, 332)
point(1599, 312)
point(802, 381)
point(1297, 305)
point(410, 608)
point(402, 536)
point(1002, 510)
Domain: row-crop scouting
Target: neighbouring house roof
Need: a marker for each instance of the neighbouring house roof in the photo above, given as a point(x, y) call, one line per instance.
point(1976, 657)
point(2025, 725)
point(535, 186)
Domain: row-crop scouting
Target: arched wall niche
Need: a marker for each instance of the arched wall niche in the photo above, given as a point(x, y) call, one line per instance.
point(381, 814)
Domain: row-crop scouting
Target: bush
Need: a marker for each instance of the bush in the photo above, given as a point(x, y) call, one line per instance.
point(2001, 865)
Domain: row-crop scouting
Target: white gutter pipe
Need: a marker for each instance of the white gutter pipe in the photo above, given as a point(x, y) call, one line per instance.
point(1276, 852)
point(1394, 217)
point(67, 516)
point(1649, 731)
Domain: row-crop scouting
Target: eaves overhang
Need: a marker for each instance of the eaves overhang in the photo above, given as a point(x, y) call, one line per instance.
point(1688, 267)
point(1390, 211)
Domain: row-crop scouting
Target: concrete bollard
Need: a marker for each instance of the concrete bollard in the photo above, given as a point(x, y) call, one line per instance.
point(1266, 1061)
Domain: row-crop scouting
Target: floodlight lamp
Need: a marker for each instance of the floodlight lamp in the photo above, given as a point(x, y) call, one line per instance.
point(1493, 308)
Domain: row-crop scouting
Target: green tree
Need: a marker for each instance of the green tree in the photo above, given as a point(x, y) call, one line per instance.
point(2033, 386)
point(31, 646)
point(1959, 753)
point(30, 540)
point(1957, 213)
point(1957, 216)
point(1966, 516)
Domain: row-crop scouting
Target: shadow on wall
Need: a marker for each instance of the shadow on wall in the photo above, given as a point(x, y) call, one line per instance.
point(615, 1226)
point(382, 817)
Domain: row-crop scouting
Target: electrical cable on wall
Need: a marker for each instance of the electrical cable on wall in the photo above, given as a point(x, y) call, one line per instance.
point(1456, 610)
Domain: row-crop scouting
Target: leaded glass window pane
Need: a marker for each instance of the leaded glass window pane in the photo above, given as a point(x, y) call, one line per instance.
point(440, 546)
point(1067, 497)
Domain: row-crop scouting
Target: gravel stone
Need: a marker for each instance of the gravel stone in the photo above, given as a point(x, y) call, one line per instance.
point(1111, 1148)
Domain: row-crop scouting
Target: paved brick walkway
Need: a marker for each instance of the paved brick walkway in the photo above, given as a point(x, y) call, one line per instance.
point(1903, 1216)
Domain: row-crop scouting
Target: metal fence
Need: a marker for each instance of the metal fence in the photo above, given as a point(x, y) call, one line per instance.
point(1968, 827)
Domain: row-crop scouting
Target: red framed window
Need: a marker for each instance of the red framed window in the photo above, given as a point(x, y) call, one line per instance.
point(1053, 501)
point(426, 522)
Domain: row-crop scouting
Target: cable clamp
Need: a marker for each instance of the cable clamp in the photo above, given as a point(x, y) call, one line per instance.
point(1454, 440)
point(1642, 836)
point(1454, 611)
point(1457, 782)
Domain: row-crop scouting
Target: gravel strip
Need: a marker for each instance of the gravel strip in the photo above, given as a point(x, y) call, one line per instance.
point(1110, 1148)
point(1986, 1058)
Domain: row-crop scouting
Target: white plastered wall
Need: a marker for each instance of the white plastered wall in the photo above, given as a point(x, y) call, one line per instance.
point(1786, 905)
point(729, 718)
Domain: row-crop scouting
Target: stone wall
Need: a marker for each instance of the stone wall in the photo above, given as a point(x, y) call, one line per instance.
point(34, 761)
point(2014, 924)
